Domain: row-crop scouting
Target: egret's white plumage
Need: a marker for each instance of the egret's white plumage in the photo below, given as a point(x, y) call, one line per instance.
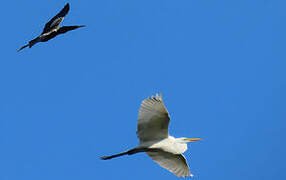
point(176, 163)
point(153, 120)
point(152, 131)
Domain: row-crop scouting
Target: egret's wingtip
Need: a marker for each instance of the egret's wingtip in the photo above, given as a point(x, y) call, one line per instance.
point(157, 97)
point(186, 175)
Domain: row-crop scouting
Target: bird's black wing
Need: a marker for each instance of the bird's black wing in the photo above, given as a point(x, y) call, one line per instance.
point(65, 29)
point(55, 21)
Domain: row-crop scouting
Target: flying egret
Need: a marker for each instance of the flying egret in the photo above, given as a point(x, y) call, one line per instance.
point(52, 28)
point(155, 141)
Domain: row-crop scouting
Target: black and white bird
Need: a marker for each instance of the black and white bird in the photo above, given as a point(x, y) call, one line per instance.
point(52, 28)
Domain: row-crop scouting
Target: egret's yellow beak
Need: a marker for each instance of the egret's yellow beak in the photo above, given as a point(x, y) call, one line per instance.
point(195, 139)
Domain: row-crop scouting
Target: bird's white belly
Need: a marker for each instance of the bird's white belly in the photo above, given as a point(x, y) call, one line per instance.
point(168, 145)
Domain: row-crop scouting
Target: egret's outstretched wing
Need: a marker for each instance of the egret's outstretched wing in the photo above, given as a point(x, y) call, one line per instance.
point(55, 21)
point(153, 120)
point(175, 163)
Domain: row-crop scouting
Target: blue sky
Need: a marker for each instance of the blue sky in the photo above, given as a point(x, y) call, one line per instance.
point(219, 64)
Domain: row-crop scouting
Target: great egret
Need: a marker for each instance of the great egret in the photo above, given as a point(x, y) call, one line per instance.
point(155, 141)
point(52, 28)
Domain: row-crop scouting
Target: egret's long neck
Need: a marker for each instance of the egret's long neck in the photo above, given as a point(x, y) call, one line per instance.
point(181, 147)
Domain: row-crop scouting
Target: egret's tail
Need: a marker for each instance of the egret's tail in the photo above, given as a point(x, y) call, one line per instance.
point(129, 152)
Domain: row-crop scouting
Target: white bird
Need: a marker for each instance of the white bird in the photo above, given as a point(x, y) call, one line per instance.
point(155, 141)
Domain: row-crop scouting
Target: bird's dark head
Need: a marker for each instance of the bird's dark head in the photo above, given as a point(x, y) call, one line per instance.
point(33, 42)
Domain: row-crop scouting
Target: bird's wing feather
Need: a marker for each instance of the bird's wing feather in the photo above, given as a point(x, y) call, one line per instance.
point(65, 29)
point(153, 120)
point(175, 163)
point(55, 21)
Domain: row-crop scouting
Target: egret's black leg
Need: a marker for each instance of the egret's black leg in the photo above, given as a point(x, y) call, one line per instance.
point(129, 152)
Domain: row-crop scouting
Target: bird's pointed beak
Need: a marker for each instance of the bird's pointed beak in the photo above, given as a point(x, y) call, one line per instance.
point(22, 47)
point(194, 139)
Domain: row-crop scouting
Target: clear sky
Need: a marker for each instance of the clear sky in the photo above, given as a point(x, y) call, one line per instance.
point(219, 64)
